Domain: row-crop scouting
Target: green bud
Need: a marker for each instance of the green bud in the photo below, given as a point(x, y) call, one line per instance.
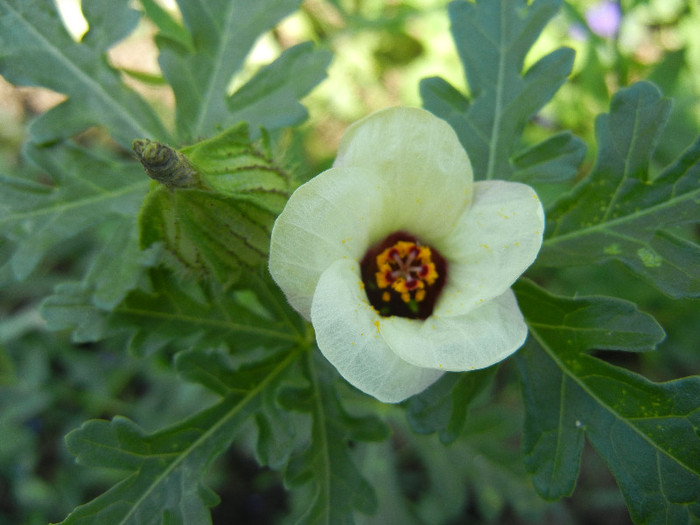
point(164, 164)
point(215, 205)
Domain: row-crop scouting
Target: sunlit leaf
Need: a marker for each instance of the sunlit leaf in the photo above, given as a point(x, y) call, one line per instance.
point(215, 203)
point(492, 39)
point(36, 50)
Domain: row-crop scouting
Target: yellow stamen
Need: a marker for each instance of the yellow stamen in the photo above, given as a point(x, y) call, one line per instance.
point(405, 268)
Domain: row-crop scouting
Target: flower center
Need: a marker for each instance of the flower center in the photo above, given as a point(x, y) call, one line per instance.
point(403, 277)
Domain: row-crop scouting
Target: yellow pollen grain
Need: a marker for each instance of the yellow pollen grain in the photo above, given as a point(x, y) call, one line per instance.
point(376, 323)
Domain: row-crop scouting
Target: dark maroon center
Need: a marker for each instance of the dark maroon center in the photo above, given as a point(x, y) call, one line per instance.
point(403, 277)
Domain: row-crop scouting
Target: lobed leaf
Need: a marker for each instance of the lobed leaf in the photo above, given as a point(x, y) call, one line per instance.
point(331, 485)
point(187, 313)
point(443, 406)
point(165, 469)
point(222, 32)
point(36, 50)
point(86, 189)
point(492, 39)
point(271, 98)
point(647, 433)
point(620, 211)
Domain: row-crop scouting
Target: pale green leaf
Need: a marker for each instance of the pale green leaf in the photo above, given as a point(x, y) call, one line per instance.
point(215, 208)
point(36, 50)
point(223, 32)
point(84, 190)
point(492, 39)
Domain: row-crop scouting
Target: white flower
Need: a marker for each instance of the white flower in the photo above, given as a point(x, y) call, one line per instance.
point(401, 262)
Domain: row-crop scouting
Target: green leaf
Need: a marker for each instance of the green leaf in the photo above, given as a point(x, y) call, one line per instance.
point(86, 189)
point(647, 433)
point(165, 469)
point(185, 314)
point(120, 265)
point(36, 50)
point(324, 473)
point(215, 209)
point(223, 32)
point(620, 211)
point(492, 39)
point(270, 98)
point(168, 28)
point(555, 159)
point(215, 370)
point(443, 406)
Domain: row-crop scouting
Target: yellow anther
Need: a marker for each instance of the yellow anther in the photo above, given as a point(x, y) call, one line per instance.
point(406, 268)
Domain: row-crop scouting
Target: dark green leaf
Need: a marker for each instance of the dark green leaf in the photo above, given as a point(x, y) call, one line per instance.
point(553, 160)
point(492, 39)
point(443, 406)
point(36, 50)
point(215, 370)
point(324, 472)
point(187, 314)
point(646, 432)
point(270, 98)
point(120, 265)
point(620, 211)
point(165, 469)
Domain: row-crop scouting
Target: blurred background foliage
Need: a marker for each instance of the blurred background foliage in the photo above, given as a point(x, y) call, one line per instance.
point(382, 49)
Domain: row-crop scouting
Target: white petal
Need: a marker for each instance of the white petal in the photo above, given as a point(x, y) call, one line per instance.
point(348, 335)
point(419, 164)
point(478, 339)
point(492, 244)
point(330, 217)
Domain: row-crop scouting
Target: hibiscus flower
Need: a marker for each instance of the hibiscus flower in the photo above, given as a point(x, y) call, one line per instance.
point(402, 263)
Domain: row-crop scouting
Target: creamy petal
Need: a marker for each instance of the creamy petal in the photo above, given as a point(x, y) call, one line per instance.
point(419, 164)
point(330, 217)
point(347, 334)
point(492, 244)
point(479, 339)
